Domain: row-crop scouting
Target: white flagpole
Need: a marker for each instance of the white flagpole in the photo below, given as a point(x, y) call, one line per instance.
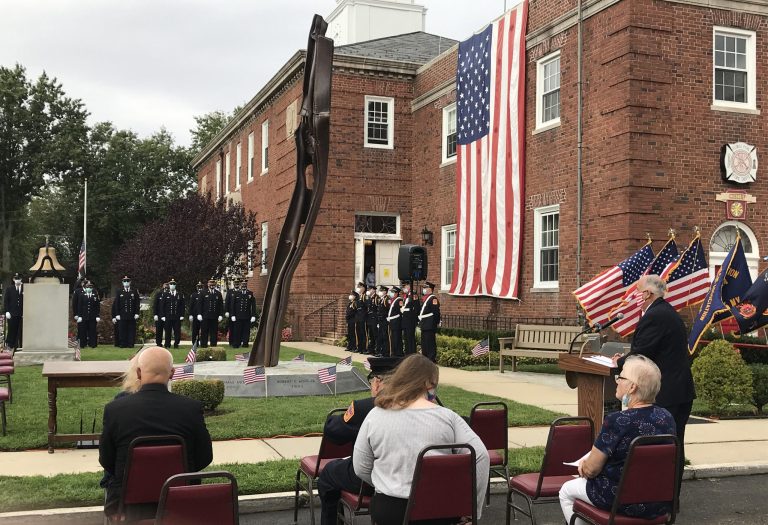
point(85, 226)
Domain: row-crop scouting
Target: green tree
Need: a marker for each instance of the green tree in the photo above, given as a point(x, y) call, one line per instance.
point(208, 126)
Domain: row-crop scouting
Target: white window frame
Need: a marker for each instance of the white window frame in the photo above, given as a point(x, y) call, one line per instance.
point(717, 258)
point(751, 105)
point(218, 179)
point(538, 213)
point(264, 147)
point(264, 246)
point(227, 173)
point(238, 164)
point(542, 125)
point(390, 122)
point(250, 156)
point(447, 121)
point(249, 258)
point(445, 280)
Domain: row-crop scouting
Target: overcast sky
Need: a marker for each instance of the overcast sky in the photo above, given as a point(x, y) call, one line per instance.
point(143, 64)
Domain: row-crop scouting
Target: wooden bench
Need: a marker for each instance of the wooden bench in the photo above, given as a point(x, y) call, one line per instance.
point(542, 341)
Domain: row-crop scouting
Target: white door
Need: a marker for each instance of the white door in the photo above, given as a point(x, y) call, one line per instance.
point(386, 262)
point(359, 255)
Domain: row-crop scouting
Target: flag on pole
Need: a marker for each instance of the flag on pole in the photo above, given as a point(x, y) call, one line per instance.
point(347, 361)
point(242, 357)
point(254, 374)
point(600, 295)
point(481, 348)
point(183, 372)
point(327, 375)
point(74, 343)
point(687, 277)
point(299, 357)
point(632, 302)
point(81, 259)
point(367, 365)
point(752, 312)
point(192, 355)
point(490, 167)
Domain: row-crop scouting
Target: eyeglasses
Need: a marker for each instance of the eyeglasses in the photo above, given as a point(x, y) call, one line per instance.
point(622, 378)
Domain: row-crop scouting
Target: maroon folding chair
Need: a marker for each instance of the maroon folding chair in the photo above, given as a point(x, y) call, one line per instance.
point(352, 505)
point(6, 371)
point(444, 485)
point(151, 461)
point(649, 476)
point(569, 439)
point(489, 421)
point(199, 504)
point(310, 468)
point(5, 395)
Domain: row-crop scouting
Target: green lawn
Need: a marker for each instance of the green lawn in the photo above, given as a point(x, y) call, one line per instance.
point(234, 418)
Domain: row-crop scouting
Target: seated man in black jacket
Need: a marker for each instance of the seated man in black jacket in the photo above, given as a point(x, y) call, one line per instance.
point(152, 411)
point(339, 475)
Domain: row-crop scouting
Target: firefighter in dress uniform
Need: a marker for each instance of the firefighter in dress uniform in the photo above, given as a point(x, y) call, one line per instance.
point(87, 316)
point(213, 307)
point(13, 305)
point(195, 309)
point(157, 310)
point(360, 315)
point(230, 324)
point(371, 306)
point(127, 313)
point(395, 322)
point(243, 311)
point(173, 314)
point(79, 287)
point(429, 320)
point(382, 340)
point(350, 314)
point(410, 311)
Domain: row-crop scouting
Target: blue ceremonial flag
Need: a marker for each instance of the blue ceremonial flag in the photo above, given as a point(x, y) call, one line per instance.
point(752, 312)
point(728, 288)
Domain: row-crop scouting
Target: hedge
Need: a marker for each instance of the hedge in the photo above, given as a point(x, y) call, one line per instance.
point(213, 353)
point(210, 392)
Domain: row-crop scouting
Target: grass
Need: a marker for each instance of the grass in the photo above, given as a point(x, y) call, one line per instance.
point(77, 490)
point(234, 418)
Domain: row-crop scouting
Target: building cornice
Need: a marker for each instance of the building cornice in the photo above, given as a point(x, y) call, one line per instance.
point(755, 7)
point(436, 93)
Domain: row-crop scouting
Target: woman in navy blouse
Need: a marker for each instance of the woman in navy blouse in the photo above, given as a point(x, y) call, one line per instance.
point(600, 471)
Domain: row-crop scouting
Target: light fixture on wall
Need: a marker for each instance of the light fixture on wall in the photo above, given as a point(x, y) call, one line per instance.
point(426, 237)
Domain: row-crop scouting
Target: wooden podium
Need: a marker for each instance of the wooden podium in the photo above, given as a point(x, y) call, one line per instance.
point(594, 382)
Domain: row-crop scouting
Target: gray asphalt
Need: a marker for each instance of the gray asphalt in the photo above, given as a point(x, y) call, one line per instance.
point(739, 500)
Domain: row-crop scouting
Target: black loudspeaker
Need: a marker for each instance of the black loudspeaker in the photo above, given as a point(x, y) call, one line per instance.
point(412, 263)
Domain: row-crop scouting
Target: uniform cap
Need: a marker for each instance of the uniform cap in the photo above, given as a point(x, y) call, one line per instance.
point(199, 283)
point(126, 278)
point(429, 285)
point(361, 283)
point(172, 281)
point(382, 365)
point(211, 281)
point(371, 287)
point(17, 275)
point(395, 289)
point(354, 292)
point(383, 288)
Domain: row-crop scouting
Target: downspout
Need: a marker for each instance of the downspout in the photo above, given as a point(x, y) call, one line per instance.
point(579, 146)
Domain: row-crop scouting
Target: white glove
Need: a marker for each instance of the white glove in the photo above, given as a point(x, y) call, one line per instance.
point(135, 316)
point(199, 317)
point(7, 315)
point(190, 318)
point(234, 318)
point(79, 319)
point(114, 320)
point(155, 318)
point(118, 317)
point(98, 319)
point(182, 318)
point(226, 314)
point(220, 318)
point(75, 318)
point(253, 319)
point(163, 319)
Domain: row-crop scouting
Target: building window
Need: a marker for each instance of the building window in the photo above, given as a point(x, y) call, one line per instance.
point(264, 147)
point(218, 179)
point(449, 133)
point(546, 233)
point(723, 240)
point(548, 91)
point(447, 255)
point(264, 239)
point(226, 174)
point(239, 165)
point(386, 224)
point(734, 69)
point(250, 156)
point(379, 122)
point(249, 258)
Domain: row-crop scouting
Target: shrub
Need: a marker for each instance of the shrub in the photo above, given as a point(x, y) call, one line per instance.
point(759, 385)
point(460, 358)
point(722, 377)
point(342, 342)
point(210, 392)
point(477, 335)
point(213, 353)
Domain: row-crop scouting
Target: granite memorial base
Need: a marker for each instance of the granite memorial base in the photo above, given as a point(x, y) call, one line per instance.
point(288, 378)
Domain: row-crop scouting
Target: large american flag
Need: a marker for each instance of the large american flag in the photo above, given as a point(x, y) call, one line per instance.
point(254, 375)
point(183, 372)
point(687, 277)
point(81, 259)
point(632, 302)
point(327, 375)
point(601, 294)
point(490, 136)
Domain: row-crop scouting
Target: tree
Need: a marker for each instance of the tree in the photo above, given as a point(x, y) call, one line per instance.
point(208, 126)
point(198, 239)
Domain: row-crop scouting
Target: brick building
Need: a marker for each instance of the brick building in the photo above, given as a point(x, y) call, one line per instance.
point(666, 84)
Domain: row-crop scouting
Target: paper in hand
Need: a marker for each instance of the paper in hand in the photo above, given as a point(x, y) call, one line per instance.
point(576, 463)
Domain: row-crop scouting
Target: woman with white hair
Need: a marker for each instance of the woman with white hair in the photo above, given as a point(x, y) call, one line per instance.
point(600, 471)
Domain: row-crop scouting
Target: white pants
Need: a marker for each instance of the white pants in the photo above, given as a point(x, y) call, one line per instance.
point(569, 493)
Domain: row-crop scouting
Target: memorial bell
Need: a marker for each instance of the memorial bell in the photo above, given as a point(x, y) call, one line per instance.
point(46, 265)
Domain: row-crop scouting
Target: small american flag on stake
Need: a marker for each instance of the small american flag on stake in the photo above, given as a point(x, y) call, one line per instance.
point(481, 348)
point(367, 365)
point(192, 355)
point(242, 357)
point(74, 343)
point(183, 372)
point(347, 361)
point(254, 375)
point(299, 357)
point(327, 375)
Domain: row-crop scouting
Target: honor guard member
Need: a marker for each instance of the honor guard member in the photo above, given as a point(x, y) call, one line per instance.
point(157, 310)
point(350, 314)
point(173, 314)
point(195, 309)
point(87, 315)
point(213, 307)
point(410, 310)
point(362, 311)
point(371, 305)
point(338, 474)
point(429, 320)
point(382, 339)
point(395, 322)
point(228, 307)
point(243, 311)
point(127, 313)
point(13, 305)
point(79, 285)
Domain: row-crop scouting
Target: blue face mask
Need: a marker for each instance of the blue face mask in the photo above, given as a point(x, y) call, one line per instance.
point(625, 401)
point(431, 394)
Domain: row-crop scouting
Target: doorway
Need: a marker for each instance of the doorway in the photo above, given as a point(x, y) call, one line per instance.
point(381, 255)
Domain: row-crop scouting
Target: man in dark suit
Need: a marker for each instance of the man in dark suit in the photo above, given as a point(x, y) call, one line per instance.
point(662, 337)
point(87, 316)
point(173, 314)
point(243, 310)
point(152, 411)
point(128, 303)
point(339, 475)
point(13, 305)
point(213, 307)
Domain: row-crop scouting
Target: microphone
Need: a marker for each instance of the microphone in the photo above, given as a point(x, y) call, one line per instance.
point(599, 327)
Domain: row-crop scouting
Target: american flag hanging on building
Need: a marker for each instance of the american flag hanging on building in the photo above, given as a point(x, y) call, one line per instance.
point(299, 357)
point(183, 372)
point(255, 374)
point(490, 136)
point(81, 259)
point(631, 305)
point(327, 375)
point(605, 291)
point(242, 357)
point(347, 361)
point(481, 348)
point(688, 277)
point(192, 354)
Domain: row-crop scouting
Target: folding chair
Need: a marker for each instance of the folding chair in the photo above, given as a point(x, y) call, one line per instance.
point(444, 485)
point(200, 504)
point(151, 461)
point(353, 505)
point(6, 371)
point(490, 424)
point(649, 476)
point(566, 442)
point(310, 467)
point(4, 396)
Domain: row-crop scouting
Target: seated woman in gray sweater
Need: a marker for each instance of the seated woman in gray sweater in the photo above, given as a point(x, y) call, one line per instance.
point(405, 421)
